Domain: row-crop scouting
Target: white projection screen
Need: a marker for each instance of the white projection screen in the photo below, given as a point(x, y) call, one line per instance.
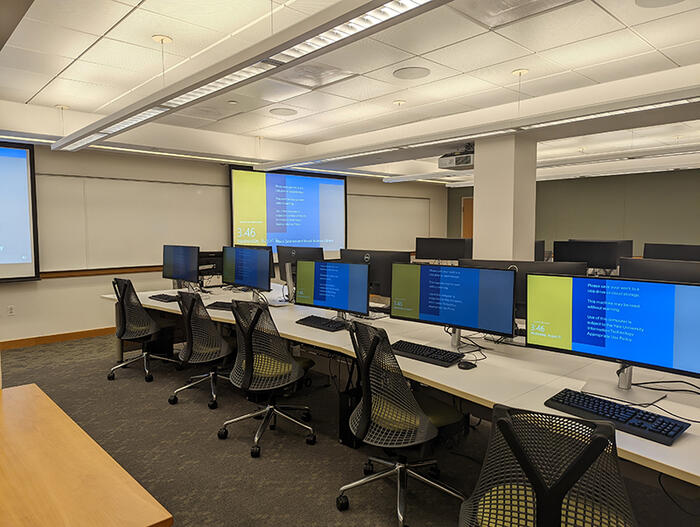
point(19, 254)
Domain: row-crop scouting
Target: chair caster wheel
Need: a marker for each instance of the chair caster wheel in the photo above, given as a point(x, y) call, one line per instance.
point(434, 472)
point(213, 404)
point(306, 416)
point(222, 433)
point(342, 502)
point(148, 378)
point(110, 376)
point(255, 451)
point(311, 439)
point(273, 426)
point(172, 399)
point(368, 469)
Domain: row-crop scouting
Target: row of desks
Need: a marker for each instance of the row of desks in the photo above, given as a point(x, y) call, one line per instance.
point(512, 375)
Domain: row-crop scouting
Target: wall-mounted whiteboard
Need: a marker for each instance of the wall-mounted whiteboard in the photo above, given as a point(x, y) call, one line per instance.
point(384, 222)
point(92, 223)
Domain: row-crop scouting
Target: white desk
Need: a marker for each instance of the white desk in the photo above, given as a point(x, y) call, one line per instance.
point(512, 375)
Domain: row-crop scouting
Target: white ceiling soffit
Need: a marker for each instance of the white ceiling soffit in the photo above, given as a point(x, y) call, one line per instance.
point(290, 47)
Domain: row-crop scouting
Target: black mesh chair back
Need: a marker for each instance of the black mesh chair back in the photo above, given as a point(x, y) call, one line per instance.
point(546, 470)
point(204, 341)
point(263, 362)
point(388, 415)
point(133, 321)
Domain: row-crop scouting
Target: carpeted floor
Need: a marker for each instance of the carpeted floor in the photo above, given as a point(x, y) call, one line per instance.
point(173, 451)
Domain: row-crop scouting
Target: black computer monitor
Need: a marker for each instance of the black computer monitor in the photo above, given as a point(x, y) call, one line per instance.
point(181, 262)
point(598, 255)
point(210, 263)
point(379, 266)
point(475, 299)
point(650, 324)
point(522, 269)
point(247, 267)
point(539, 250)
point(443, 248)
point(625, 248)
point(662, 270)
point(266, 247)
point(286, 254)
point(333, 285)
point(671, 251)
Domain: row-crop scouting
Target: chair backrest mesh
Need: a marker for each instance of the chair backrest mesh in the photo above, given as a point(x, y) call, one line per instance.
point(563, 488)
point(204, 342)
point(263, 362)
point(388, 414)
point(134, 321)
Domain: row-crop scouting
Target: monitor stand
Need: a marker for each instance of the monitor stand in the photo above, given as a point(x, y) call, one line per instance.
point(624, 391)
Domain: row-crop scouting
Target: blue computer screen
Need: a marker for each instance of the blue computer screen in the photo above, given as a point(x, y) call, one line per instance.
point(333, 285)
point(479, 299)
point(247, 267)
point(181, 262)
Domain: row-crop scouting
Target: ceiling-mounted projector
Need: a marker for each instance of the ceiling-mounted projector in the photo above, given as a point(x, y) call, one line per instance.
point(463, 160)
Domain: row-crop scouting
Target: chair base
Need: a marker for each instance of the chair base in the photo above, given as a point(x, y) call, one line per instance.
point(212, 376)
point(402, 471)
point(269, 415)
point(145, 356)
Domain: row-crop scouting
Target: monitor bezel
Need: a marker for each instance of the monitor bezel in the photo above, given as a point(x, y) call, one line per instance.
point(296, 290)
point(181, 279)
point(237, 284)
point(468, 328)
point(602, 357)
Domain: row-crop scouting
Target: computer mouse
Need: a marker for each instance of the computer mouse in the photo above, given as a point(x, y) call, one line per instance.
point(466, 365)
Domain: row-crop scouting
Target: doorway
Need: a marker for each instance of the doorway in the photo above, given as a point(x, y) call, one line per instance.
point(467, 217)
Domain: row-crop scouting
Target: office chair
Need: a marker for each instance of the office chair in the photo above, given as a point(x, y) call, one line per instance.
point(204, 344)
point(136, 325)
point(390, 416)
point(264, 364)
point(546, 470)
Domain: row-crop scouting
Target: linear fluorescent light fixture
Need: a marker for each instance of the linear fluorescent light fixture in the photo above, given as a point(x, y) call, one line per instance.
point(171, 154)
point(462, 138)
point(85, 141)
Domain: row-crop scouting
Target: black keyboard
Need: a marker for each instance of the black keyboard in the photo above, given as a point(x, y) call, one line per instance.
point(648, 425)
point(221, 306)
point(162, 297)
point(325, 324)
point(423, 353)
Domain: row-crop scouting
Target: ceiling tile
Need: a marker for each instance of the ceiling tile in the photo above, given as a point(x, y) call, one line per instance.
point(319, 101)
point(477, 52)
point(362, 56)
point(561, 26)
point(23, 59)
point(93, 73)
point(502, 74)
point(287, 131)
point(360, 88)
point(554, 83)
point(89, 16)
point(219, 107)
point(80, 96)
point(128, 56)
point(270, 90)
point(672, 30)
point(47, 38)
point(300, 112)
point(354, 113)
point(630, 13)
point(243, 122)
point(456, 86)
point(311, 6)
point(685, 54)
point(603, 48)
point(177, 119)
point(220, 15)
point(498, 12)
point(629, 67)
point(447, 26)
point(21, 85)
point(437, 72)
point(490, 98)
point(313, 74)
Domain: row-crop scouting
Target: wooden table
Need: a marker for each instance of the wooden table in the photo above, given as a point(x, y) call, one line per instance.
point(53, 474)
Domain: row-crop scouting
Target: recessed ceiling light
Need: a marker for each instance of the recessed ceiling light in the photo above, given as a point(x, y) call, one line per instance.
point(162, 39)
point(232, 102)
point(399, 102)
point(62, 107)
point(411, 72)
point(520, 72)
point(283, 111)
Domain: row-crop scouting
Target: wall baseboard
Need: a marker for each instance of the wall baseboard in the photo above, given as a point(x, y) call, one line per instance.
point(59, 337)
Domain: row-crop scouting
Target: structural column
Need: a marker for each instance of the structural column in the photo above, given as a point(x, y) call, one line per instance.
point(504, 197)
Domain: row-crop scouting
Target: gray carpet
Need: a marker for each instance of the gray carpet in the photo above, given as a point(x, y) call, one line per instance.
point(203, 481)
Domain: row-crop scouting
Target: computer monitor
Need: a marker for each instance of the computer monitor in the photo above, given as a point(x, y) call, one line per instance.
point(459, 297)
point(443, 248)
point(650, 324)
point(379, 266)
point(662, 270)
point(598, 255)
point(670, 251)
point(266, 247)
point(522, 269)
point(181, 262)
point(247, 267)
point(625, 248)
point(333, 285)
point(539, 250)
point(286, 254)
point(210, 263)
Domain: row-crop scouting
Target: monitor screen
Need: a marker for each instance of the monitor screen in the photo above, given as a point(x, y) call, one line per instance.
point(661, 270)
point(379, 266)
point(652, 324)
point(247, 267)
point(443, 248)
point(269, 250)
point(288, 209)
point(181, 262)
point(598, 255)
point(475, 299)
point(292, 254)
point(333, 285)
point(671, 251)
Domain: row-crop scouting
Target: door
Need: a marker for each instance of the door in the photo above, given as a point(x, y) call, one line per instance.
point(467, 217)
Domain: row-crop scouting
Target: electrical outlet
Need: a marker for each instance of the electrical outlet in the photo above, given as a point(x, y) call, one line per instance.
point(10, 311)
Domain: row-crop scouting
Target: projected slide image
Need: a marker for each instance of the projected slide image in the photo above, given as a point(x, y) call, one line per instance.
point(15, 207)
